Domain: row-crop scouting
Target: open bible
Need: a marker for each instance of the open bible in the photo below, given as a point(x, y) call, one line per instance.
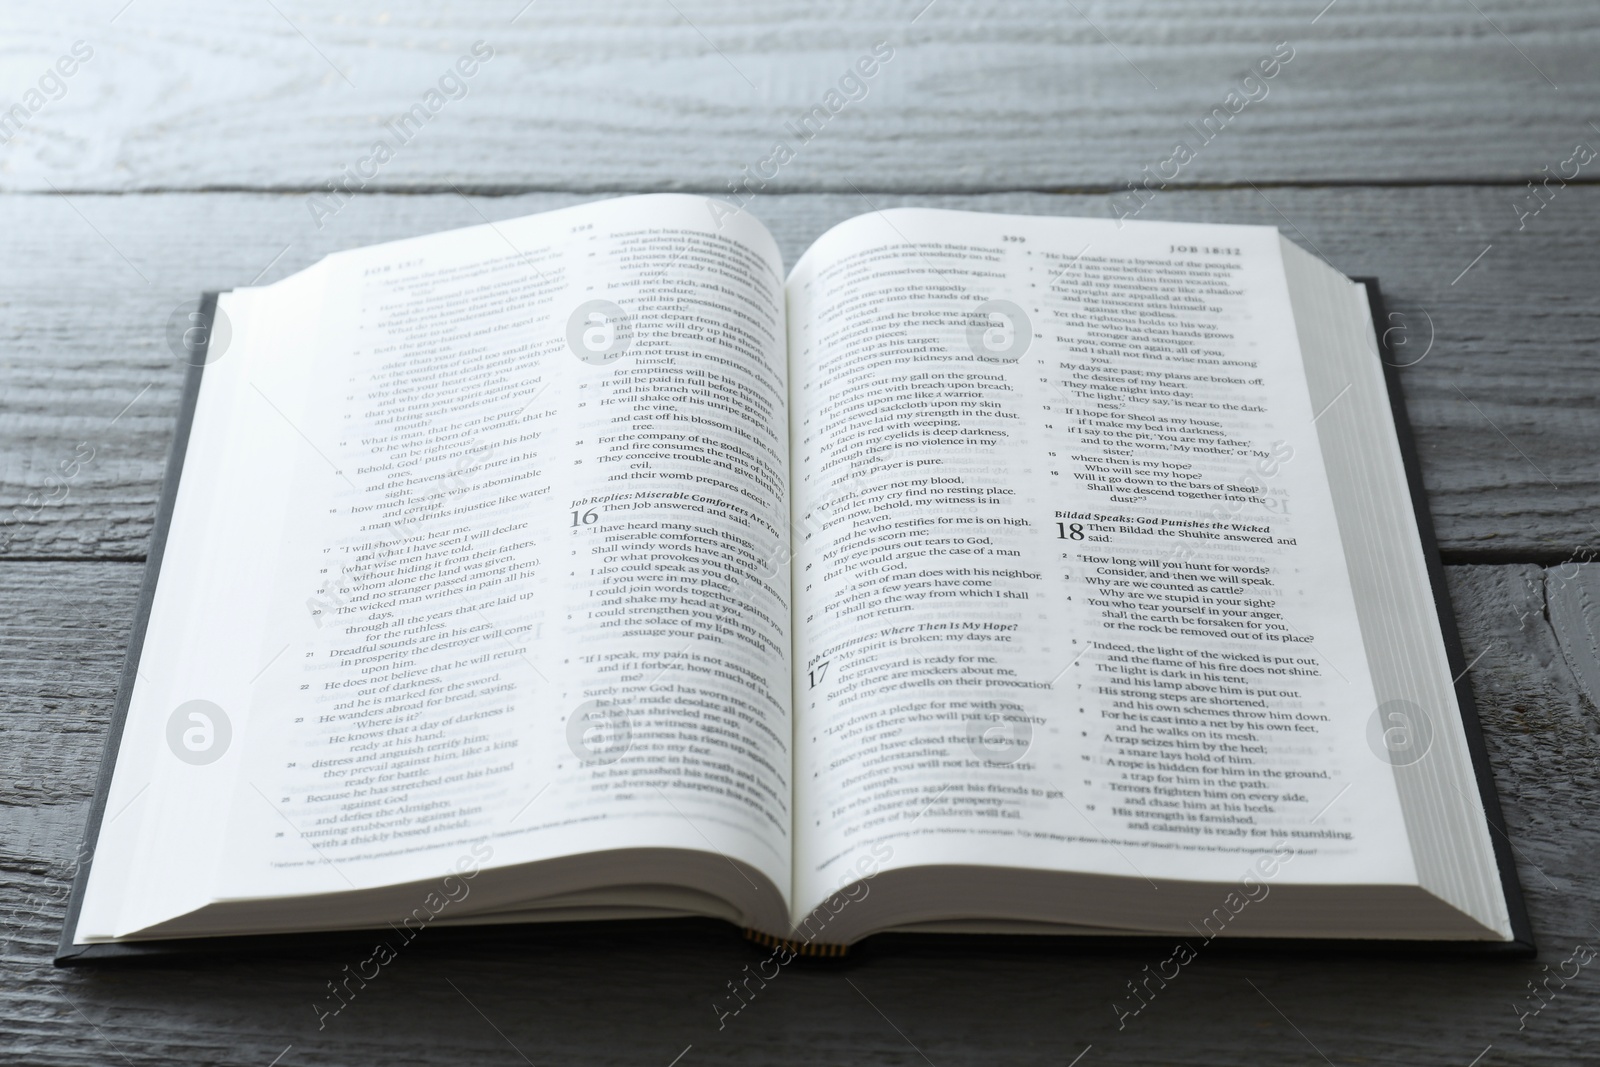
point(983, 574)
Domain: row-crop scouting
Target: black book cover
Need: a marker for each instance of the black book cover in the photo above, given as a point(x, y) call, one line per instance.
point(1522, 945)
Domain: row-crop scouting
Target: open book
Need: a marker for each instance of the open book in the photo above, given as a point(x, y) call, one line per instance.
point(986, 574)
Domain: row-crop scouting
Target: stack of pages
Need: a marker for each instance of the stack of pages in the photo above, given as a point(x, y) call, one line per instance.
point(983, 574)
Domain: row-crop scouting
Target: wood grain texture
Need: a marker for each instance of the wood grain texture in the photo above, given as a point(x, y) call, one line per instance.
point(263, 103)
point(642, 995)
point(647, 94)
point(1503, 397)
point(1574, 610)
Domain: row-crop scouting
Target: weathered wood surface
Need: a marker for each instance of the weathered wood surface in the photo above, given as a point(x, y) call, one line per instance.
point(1396, 143)
point(1025, 94)
point(1503, 398)
point(617, 996)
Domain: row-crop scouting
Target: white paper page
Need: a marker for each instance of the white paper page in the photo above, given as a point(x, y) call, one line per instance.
point(538, 473)
point(1071, 593)
point(166, 811)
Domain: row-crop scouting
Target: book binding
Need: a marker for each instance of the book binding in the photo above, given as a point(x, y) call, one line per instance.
point(1521, 946)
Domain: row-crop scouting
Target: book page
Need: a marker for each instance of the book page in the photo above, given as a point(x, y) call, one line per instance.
point(1071, 594)
point(523, 588)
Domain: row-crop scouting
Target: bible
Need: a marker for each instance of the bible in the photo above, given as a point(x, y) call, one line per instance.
point(981, 574)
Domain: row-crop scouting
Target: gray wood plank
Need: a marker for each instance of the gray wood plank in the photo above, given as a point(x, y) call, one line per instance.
point(646, 94)
point(624, 995)
point(1503, 395)
point(1573, 605)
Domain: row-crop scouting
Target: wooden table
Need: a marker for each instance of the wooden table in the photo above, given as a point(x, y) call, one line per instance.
point(1398, 141)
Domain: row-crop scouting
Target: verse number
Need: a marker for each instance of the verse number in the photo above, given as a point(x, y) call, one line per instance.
point(587, 518)
point(1069, 531)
